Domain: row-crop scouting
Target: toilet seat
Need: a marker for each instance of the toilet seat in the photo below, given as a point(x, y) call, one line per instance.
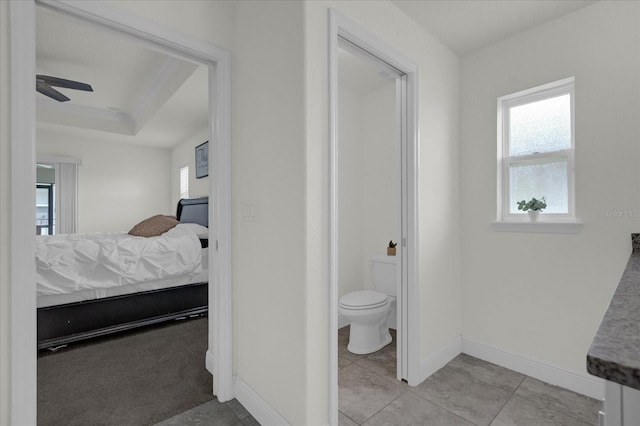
point(363, 299)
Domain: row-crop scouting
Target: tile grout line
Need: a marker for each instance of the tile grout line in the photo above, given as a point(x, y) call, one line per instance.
point(395, 382)
point(391, 402)
point(443, 408)
point(508, 399)
point(538, 404)
point(513, 393)
point(510, 393)
point(562, 412)
point(342, 412)
point(466, 372)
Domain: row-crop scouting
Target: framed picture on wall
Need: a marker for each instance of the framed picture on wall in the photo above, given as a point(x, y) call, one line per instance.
point(202, 160)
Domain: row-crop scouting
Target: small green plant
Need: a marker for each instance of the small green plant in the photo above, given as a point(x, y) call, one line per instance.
point(533, 204)
point(392, 244)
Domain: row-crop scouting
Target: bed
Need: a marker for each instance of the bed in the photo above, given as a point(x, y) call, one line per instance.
point(91, 285)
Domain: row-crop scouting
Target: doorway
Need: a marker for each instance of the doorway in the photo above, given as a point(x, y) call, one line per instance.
point(23, 187)
point(368, 174)
point(346, 35)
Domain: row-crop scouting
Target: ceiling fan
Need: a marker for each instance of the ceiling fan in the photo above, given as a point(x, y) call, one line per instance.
point(44, 83)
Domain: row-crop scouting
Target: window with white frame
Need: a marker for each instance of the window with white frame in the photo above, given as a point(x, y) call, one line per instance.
point(184, 182)
point(536, 151)
point(62, 174)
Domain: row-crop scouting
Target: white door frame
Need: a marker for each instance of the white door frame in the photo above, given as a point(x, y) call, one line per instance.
point(23, 389)
point(340, 27)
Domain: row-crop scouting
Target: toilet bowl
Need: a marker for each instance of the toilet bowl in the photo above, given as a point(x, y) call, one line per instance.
point(367, 312)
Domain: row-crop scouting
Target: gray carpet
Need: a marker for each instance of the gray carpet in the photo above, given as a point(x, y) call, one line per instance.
point(134, 378)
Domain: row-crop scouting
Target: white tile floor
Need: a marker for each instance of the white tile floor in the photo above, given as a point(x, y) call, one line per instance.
point(466, 392)
point(213, 413)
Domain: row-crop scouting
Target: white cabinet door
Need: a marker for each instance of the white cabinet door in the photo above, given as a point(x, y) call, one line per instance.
point(630, 406)
point(621, 405)
point(612, 404)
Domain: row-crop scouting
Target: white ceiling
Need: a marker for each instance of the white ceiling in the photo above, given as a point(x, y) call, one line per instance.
point(147, 97)
point(140, 95)
point(466, 25)
point(361, 74)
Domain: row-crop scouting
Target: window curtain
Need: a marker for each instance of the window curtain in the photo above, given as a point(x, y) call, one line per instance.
point(66, 192)
point(66, 198)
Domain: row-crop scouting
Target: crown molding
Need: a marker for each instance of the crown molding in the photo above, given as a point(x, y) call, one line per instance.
point(66, 114)
point(161, 86)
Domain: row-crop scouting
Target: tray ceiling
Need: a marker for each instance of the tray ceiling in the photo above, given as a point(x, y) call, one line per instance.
point(140, 95)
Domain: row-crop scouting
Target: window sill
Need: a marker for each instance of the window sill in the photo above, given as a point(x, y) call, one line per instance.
point(539, 227)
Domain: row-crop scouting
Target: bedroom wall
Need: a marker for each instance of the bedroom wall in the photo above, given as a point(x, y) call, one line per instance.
point(118, 184)
point(542, 296)
point(182, 155)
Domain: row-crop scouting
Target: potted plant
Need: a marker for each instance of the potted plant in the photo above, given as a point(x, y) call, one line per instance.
point(391, 250)
point(533, 207)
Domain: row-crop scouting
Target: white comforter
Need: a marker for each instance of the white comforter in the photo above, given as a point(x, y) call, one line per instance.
point(72, 262)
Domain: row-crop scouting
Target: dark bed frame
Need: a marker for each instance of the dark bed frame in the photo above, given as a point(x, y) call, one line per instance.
point(71, 322)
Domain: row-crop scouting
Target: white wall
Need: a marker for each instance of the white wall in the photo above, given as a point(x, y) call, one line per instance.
point(212, 21)
point(118, 184)
point(269, 173)
point(381, 184)
point(351, 191)
point(184, 155)
point(369, 191)
point(542, 296)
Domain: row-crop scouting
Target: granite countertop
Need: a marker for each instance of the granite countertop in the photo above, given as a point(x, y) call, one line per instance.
point(615, 352)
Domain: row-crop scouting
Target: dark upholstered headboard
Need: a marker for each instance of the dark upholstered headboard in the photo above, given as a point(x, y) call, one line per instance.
point(194, 210)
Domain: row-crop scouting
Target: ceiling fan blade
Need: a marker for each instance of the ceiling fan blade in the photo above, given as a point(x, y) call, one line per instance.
point(49, 91)
point(61, 82)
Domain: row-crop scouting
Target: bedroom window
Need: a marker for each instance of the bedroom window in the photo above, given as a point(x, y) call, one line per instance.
point(536, 151)
point(184, 182)
point(45, 209)
point(57, 195)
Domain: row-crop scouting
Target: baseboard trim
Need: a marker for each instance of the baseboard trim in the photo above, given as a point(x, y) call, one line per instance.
point(436, 361)
point(258, 407)
point(580, 383)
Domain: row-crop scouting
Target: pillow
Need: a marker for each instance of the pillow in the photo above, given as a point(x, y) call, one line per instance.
point(154, 226)
point(201, 231)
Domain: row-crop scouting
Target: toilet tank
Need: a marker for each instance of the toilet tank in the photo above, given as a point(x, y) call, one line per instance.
point(385, 275)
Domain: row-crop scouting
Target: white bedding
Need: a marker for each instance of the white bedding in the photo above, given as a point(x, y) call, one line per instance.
point(100, 262)
point(101, 293)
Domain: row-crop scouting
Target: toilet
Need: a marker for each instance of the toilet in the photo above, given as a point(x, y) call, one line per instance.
point(372, 312)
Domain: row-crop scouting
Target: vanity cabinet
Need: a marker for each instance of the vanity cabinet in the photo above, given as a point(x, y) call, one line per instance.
point(614, 354)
